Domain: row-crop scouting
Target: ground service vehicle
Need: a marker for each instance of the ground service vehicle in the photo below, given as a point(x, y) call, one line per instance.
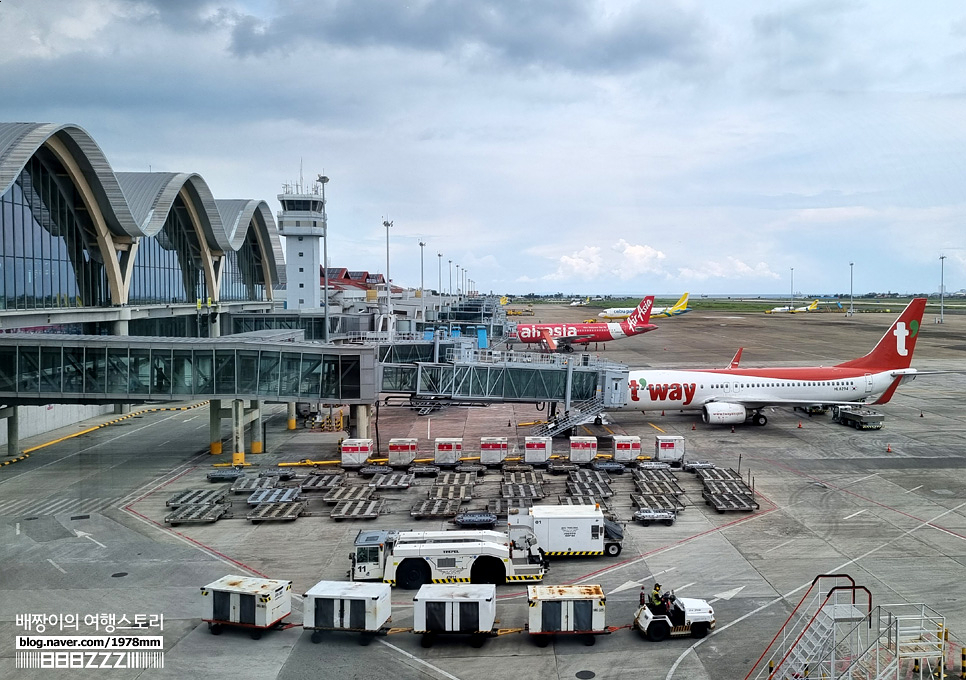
point(678, 616)
point(858, 417)
point(646, 515)
point(411, 559)
point(568, 530)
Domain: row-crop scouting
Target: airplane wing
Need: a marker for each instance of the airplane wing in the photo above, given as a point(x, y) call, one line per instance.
point(571, 339)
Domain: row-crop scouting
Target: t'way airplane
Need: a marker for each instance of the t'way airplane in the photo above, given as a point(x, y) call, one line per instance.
point(679, 307)
point(793, 310)
point(565, 335)
point(728, 396)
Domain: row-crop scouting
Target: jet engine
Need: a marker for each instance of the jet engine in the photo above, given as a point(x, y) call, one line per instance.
point(722, 413)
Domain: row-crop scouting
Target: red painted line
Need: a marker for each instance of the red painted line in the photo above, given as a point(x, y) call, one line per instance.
point(129, 508)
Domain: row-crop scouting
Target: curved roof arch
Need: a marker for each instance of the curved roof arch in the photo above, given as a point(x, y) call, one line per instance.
point(136, 204)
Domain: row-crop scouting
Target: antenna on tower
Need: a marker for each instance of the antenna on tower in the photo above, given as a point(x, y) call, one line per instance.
point(300, 174)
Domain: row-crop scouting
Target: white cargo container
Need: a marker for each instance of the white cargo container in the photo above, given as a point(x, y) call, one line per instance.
point(669, 449)
point(565, 609)
point(449, 450)
point(627, 448)
point(567, 530)
point(441, 608)
point(402, 451)
point(583, 449)
point(493, 450)
point(346, 605)
point(256, 603)
point(537, 450)
point(355, 452)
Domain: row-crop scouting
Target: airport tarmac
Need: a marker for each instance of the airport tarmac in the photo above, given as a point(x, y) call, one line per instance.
point(82, 530)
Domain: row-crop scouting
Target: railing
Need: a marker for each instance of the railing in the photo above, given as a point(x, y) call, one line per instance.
point(579, 413)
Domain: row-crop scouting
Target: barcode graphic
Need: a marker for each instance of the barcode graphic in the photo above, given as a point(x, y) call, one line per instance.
point(49, 659)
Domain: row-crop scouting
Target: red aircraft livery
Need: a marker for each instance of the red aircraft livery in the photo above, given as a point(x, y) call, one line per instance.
point(565, 335)
point(728, 396)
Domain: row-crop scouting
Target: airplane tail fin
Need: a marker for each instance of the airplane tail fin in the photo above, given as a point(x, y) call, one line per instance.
point(681, 304)
point(812, 307)
point(503, 300)
point(895, 348)
point(642, 315)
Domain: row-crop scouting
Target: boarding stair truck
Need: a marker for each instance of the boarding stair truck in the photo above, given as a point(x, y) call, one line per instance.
point(669, 449)
point(676, 617)
point(411, 559)
point(568, 530)
point(858, 417)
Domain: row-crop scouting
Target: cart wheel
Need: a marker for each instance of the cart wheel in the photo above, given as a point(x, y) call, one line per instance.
point(541, 640)
point(316, 636)
point(215, 628)
point(646, 522)
point(477, 640)
point(427, 640)
point(590, 640)
point(365, 639)
point(256, 634)
point(668, 522)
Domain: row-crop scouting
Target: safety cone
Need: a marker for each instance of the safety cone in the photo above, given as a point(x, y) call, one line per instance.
point(799, 424)
point(662, 412)
point(509, 424)
point(693, 426)
point(732, 428)
point(888, 448)
point(920, 414)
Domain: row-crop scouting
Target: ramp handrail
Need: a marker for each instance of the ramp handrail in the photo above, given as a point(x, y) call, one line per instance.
point(792, 615)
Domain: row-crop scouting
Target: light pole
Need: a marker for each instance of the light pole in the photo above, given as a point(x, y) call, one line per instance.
point(450, 277)
point(387, 224)
point(942, 285)
point(792, 291)
point(458, 286)
point(323, 180)
point(851, 289)
point(439, 283)
point(422, 288)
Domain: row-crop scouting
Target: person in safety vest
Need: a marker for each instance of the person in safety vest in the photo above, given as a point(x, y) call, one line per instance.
point(657, 606)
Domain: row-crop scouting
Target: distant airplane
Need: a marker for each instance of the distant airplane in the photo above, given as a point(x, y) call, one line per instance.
point(679, 307)
point(504, 300)
point(793, 310)
point(565, 335)
point(580, 303)
point(729, 396)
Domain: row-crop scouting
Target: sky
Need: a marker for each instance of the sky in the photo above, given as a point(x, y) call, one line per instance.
point(575, 146)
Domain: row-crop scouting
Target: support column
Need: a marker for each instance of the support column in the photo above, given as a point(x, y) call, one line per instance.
point(258, 443)
point(214, 426)
point(361, 421)
point(13, 430)
point(291, 415)
point(238, 432)
point(121, 409)
point(214, 329)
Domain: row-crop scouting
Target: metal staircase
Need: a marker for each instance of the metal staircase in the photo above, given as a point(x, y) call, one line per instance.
point(579, 413)
point(834, 632)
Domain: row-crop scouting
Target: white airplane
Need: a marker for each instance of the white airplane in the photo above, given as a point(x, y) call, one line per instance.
point(679, 307)
point(729, 396)
point(793, 310)
point(580, 303)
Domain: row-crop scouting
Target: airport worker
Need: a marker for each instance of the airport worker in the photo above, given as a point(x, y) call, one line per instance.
point(656, 604)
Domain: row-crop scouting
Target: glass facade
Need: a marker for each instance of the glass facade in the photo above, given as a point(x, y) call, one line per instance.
point(168, 267)
point(48, 249)
point(94, 371)
point(242, 277)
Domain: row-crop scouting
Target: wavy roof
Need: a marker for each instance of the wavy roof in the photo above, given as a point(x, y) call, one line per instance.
point(137, 204)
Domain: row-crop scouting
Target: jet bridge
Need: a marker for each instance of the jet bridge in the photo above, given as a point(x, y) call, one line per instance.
point(578, 382)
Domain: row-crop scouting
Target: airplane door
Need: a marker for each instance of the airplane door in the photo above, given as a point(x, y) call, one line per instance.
point(868, 383)
point(727, 388)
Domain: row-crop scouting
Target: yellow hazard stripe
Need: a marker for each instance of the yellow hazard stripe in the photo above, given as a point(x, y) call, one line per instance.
point(526, 577)
point(451, 580)
point(578, 553)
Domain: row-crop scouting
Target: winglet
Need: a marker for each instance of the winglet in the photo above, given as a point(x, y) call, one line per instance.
point(642, 315)
point(737, 358)
point(894, 350)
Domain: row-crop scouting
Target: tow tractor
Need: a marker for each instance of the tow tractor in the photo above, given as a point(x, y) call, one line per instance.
point(677, 617)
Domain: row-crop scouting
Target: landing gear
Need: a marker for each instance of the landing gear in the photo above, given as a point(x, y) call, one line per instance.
point(759, 419)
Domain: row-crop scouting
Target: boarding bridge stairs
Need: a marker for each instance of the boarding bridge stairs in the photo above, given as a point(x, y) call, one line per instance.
point(835, 632)
point(580, 413)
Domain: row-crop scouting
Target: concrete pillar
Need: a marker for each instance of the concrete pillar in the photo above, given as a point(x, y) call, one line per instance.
point(258, 443)
point(13, 430)
point(214, 329)
point(214, 425)
point(361, 421)
point(121, 409)
point(238, 432)
point(291, 415)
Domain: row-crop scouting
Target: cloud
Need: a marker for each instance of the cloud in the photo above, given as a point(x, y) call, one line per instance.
point(575, 35)
point(730, 269)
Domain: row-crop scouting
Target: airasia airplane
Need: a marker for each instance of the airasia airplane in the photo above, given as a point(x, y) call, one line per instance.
point(565, 335)
point(728, 396)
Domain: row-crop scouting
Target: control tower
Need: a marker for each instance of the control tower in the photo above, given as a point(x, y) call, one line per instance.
point(302, 222)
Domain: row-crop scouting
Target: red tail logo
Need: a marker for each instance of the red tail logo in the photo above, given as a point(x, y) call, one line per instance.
point(895, 348)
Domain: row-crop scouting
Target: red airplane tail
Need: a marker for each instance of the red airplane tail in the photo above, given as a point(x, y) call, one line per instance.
point(895, 348)
point(642, 315)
